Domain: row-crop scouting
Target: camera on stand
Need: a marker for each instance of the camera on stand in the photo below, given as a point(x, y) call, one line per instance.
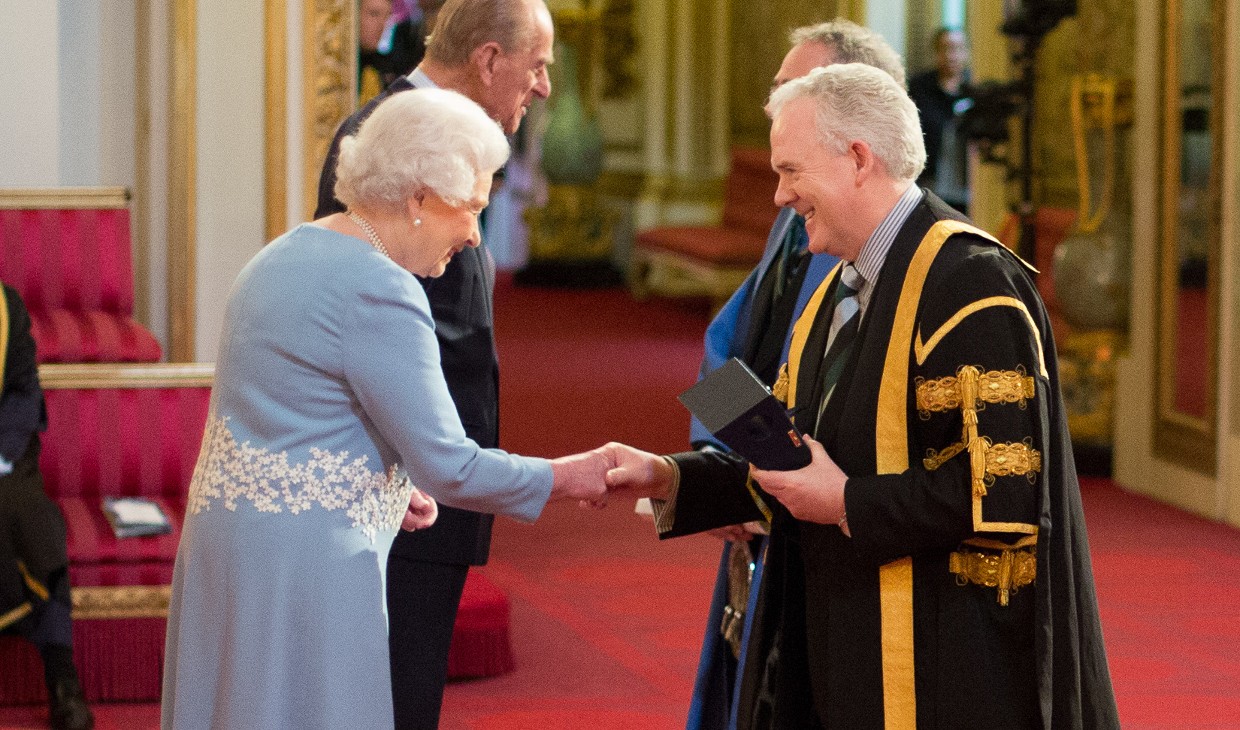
point(986, 123)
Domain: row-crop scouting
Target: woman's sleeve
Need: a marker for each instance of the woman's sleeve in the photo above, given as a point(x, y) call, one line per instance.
point(392, 365)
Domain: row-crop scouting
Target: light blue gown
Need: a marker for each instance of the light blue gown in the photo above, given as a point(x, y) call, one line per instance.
point(328, 392)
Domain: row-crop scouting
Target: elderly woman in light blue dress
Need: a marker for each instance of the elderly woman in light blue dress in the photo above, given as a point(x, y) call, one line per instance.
point(329, 407)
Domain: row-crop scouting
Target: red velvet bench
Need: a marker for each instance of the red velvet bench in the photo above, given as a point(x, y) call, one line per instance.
point(135, 430)
point(712, 260)
point(67, 251)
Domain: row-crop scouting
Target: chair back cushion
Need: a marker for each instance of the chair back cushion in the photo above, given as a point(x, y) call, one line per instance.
point(78, 259)
point(122, 441)
point(749, 192)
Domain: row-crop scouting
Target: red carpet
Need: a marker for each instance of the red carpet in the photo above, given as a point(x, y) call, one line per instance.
point(607, 620)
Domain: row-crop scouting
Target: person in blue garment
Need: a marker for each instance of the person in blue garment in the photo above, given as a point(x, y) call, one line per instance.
point(329, 406)
point(35, 602)
point(754, 326)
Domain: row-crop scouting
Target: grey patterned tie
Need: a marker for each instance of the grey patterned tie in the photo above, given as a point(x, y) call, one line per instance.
point(845, 321)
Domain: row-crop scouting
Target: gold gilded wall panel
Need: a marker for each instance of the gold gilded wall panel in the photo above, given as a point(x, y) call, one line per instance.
point(1100, 38)
point(759, 42)
point(328, 83)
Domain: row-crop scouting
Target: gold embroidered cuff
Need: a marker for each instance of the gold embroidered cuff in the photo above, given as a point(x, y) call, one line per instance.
point(1007, 569)
point(665, 509)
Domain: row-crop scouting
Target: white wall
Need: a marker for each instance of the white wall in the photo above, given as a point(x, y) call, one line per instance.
point(29, 96)
point(230, 151)
point(66, 92)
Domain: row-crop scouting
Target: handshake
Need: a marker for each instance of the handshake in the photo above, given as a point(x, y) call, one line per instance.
point(814, 493)
point(614, 469)
point(590, 478)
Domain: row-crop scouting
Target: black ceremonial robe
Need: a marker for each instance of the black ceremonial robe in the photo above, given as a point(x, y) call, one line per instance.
point(949, 423)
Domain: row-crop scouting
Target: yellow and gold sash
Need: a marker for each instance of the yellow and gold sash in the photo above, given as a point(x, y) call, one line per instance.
point(4, 338)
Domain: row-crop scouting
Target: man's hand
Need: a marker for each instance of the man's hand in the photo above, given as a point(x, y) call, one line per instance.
point(421, 513)
point(636, 473)
point(581, 477)
point(814, 493)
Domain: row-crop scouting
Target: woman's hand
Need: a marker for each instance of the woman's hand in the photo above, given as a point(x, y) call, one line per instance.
point(580, 477)
point(421, 512)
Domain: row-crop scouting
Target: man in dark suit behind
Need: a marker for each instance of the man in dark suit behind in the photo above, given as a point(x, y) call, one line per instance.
point(495, 52)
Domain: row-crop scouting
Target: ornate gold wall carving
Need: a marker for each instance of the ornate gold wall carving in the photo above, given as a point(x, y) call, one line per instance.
point(110, 602)
point(328, 83)
point(759, 42)
point(1100, 38)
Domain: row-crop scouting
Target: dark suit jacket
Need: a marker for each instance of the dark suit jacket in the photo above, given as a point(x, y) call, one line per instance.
point(22, 414)
point(461, 305)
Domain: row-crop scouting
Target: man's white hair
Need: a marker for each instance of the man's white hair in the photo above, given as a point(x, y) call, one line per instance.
point(857, 102)
point(419, 140)
point(852, 43)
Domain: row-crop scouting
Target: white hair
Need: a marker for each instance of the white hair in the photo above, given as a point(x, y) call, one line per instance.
point(852, 43)
point(417, 140)
point(857, 102)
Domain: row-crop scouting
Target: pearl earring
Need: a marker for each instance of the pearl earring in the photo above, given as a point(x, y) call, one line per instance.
point(417, 221)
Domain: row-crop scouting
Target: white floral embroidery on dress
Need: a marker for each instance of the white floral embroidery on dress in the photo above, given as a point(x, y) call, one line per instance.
point(227, 471)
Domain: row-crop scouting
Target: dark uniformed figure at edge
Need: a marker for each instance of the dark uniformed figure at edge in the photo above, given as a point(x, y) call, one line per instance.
point(929, 568)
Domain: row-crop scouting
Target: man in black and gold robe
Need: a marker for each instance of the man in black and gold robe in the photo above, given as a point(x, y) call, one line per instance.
point(929, 568)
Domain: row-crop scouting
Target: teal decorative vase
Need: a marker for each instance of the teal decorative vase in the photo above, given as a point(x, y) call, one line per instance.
point(572, 146)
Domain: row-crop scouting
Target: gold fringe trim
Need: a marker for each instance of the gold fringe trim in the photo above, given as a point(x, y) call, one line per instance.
point(97, 602)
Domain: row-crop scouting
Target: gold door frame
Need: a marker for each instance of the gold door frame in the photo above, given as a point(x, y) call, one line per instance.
point(182, 177)
point(1189, 440)
point(328, 94)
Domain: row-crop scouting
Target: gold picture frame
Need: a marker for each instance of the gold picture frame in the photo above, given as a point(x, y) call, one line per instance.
point(1186, 372)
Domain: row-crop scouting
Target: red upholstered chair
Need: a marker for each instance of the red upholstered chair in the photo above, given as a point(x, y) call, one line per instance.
point(136, 430)
point(67, 251)
point(115, 430)
point(712, 260)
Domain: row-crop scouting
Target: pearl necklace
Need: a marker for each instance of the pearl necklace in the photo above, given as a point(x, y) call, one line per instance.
point(369, 230)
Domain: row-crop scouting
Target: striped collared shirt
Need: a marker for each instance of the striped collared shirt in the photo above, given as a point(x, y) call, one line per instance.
point(420, 80)
point(874, 253)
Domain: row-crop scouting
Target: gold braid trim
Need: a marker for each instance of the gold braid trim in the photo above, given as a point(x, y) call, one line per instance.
point(988, 460)
point(1006, 567)
point(32, 583)
point(969, 390)
point(9, 618)
point(1013, 459)
point(780, 388)
point(973, 385)
point(96, 602)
